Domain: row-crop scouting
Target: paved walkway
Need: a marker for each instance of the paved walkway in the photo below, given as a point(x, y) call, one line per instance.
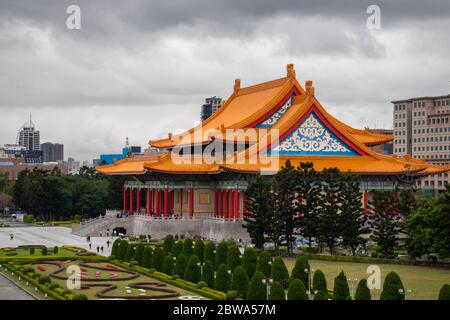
point(50, 236)
point(10, 291)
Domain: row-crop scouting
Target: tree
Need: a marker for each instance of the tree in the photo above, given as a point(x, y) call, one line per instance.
point(233, 257)
point(264, 264)
point(115, 248)
point(199, 249)
point(384, 221)
point(177, 248)
point(392, 288)
point(187, 247)
point(352, 218)
point(146, 261)
point(208, 273)
point(277, 291)
point(319, 282)
point(279, 272)
point(158, 259)
point(180, 265)
point(168, 243)
point(340, 289)
point(123, 249)
point(168, 265)
point(139, 253)
point(221, 254)
point(249, 260)
point(239, 282)
point(320, 295)
point(297, 290)
point(444, 293)
point(257, 289)
point(362, 291)
point(193, 271)
point(298, 272)
point(131, 249)
point(259, 205)
point(222, 278)
point(209, 254)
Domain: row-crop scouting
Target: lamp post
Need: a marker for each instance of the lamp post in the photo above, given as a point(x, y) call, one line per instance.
point(201, 267)
point(352, 282)
point(403, 292)
point(267, 282)
point(309, 272)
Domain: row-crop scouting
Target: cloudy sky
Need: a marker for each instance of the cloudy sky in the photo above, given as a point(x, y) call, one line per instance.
point(142, 68)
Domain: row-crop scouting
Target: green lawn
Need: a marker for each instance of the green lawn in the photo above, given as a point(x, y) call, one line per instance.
point(425, 282)
point(37, 253)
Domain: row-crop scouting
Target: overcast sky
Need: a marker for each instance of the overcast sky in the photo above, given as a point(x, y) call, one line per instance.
point(143, 68)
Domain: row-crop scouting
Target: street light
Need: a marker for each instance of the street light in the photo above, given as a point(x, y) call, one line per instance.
point(201, 267)
point(267, 282)
point(309, 272)
point(352, 282)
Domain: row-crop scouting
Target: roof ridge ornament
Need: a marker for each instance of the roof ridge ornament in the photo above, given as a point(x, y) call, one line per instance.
point(237, 86)
point(290, 71)
point(309, 88)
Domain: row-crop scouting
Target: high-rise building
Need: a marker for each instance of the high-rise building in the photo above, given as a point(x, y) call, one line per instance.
point(211, 105)
point(52, 152)
point(29, 137)
point(422, 130)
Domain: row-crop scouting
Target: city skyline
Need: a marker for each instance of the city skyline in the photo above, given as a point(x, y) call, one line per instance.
point(136, 72)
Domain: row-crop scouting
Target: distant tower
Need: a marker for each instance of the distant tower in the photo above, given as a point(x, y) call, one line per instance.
point(28, 137)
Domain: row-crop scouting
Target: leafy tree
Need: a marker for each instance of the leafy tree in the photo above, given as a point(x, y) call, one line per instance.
point(146, 261)
point(221, 254)
point(199, 249)
point(444, 293)
point(158, 259)
point(180, 265)
point(297, 290)
point(257, 289)
point(320, 282)
point(193, 271)
point(264, 263)
point(298, 272)
point(340, 289)
point(249, 260)
point(168, 265)
point(123, 249)
point(233, 257)
point(168, 243)
point(177, 248)
point(384, 221)
point(223, 278)
point(239, 282)
point(279, 272)
point(115, 248)
point(131, 249)
point(277, 291)
point(187, 247)
point(55, 250)
point(209, 254)
point(392, 288)
point(362, 291)
point(208, 273)
point(139, 253)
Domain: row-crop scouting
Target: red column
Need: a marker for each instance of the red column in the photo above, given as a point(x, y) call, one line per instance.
point(166, 203)
point(131, 202)
point(220, 203)
point(124, 199)
point(138, 200)
point(191, 203)
point(151, 201)
point(147, 202)
point(236, 204)
point(157, 203)
point(216, 204)
point(365, 200)
point(181, 202)
point(227, 202)
point(232, 206)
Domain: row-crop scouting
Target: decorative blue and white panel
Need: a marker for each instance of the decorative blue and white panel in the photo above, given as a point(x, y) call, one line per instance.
point(270, 121)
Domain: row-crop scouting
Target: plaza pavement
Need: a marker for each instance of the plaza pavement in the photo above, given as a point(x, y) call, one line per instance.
point(50, 237)
point(10, 291)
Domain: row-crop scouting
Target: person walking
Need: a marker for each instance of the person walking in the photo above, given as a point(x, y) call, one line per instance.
point(11, 236)
point(90, 246)
point(98, 249)
point(101, 234)
point(107, 243)
point(101, 249)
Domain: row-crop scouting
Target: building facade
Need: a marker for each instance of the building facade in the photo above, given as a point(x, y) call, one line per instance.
point(212, 104)
point(422, 130)
point(52, 152)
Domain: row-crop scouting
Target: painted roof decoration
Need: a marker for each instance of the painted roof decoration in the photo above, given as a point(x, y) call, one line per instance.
point(307, 133)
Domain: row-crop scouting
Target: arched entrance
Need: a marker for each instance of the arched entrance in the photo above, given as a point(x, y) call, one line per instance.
point(119, 231)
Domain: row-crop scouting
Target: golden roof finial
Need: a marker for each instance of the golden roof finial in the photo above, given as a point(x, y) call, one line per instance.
point(237, 86)
point(309, 87)
point(290, 70)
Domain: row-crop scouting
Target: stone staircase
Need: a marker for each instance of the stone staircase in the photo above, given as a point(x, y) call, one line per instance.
point(101, 224)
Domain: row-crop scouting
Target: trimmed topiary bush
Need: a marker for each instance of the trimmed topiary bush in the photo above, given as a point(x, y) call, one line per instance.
point(279, 272)
point(319, 282)
point(44, 279)
point(31, 251)
point(221, 254)
point(208, 274)
point(146, 260)
point(201, 284)
point(177, 248)
point(362, 292)
point(139, 253)
point(115, 248)
point(158, 259)
point(168, 243)
point(180, 265)
point(277, 291)
point(223, 279)
point(44, 251)
point(340, 289)
point(193, 271)
point(187, 247)
point(80, 297)
point(233, 257)
point(391, 287)
point(134, 263)
point(122, 251)
point(131, 250)
point(249, 260)
point(55, 250)
point(320, 295)
point(208, 253)
point(444, 293)
point(199, 249)
point(168, 265)
point(298, 272)
point(297, 290)
point(264, 263)
point(257, 290)
point(239, 282)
